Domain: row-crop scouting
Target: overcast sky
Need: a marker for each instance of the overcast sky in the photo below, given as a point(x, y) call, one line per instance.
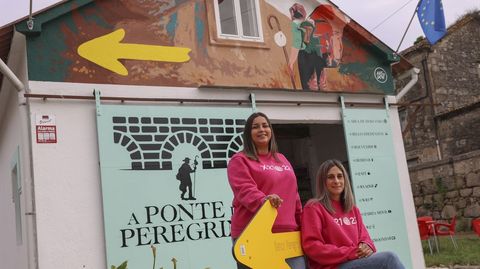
point(368, 13)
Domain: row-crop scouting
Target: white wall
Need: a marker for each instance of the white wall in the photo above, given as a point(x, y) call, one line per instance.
point(68, 193)
point(12, 134)
point(11, 254)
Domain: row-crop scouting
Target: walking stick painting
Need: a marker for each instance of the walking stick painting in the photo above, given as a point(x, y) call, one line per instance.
point(281, 41)
point(195, 163)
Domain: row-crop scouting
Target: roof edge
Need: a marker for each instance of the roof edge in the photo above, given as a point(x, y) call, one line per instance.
point(49, 14)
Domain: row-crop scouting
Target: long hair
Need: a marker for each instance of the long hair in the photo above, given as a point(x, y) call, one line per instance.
point(249, 148)
point(323, 196)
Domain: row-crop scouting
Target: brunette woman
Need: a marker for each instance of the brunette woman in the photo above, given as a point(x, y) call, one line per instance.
point(333, 233)
point(259, 173)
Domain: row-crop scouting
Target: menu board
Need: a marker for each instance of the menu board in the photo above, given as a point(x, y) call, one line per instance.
point(375, 180)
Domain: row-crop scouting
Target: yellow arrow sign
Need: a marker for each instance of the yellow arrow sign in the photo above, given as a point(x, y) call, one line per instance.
point(259, 248)
point(106, 50)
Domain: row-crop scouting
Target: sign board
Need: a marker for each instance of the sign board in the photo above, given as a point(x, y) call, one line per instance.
point(166, 197)
point(375, 179)
point(45, 129)
point(257, 247)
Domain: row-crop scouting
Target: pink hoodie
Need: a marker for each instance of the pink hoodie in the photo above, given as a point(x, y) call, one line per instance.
point(329, 240)
point(251, 181)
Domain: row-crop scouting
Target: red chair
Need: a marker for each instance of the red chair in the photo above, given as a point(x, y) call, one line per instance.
point(444, 229)
point(425, 218)
point(424, 229)
point(476, 226)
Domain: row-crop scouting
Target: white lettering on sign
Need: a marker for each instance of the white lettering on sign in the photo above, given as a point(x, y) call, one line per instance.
point(380, 75)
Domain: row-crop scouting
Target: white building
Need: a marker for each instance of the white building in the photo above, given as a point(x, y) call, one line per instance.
point(89, 184)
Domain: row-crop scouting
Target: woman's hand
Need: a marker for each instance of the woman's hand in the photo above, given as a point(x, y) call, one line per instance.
point(364, 250)
point(274, 199)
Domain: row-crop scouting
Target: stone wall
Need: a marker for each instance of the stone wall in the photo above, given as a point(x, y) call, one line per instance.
point(446, 99)
point(448, 188)
point(444, 108)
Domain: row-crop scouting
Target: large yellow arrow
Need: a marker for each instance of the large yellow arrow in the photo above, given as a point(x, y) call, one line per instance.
point(259, 248)
point(106, 50)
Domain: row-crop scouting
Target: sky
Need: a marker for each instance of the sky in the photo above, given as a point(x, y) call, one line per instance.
point(368, 13)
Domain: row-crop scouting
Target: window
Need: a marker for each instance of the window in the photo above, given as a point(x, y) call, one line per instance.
point(238, 19)
point(16, 194)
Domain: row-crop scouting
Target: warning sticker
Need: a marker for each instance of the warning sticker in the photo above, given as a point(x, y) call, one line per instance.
point(46, 129)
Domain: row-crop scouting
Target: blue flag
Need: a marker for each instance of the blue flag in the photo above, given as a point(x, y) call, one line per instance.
point(431, 17)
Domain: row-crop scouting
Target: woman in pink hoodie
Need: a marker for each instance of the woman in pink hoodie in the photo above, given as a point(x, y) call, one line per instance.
point(259, 173)
point(333, 233)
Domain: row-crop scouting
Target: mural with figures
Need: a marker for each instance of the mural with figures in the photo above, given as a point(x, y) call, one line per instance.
point(297, 45)
point(166, 198)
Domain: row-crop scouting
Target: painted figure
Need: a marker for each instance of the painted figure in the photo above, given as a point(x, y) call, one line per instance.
point(185, 180)
point(333, 233)
point(260, 173)
point(329, 25)
point(306, 47)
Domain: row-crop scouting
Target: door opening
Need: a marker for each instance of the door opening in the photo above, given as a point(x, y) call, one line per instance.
point(306, 146)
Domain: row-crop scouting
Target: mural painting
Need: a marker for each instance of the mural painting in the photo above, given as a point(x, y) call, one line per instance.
point(296, 45)
point(166, 200)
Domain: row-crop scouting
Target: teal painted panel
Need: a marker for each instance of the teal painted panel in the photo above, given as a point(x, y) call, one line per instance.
point(148, 157)
point(375, 179)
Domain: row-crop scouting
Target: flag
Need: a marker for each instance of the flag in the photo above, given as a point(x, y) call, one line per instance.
point(431, 17)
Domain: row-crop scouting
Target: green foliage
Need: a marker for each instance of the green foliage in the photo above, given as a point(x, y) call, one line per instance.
point(122, 266)
point(466, 254)
point(441, 188)
point(420, 38)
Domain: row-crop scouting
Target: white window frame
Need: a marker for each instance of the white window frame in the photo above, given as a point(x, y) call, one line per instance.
point(238, 20)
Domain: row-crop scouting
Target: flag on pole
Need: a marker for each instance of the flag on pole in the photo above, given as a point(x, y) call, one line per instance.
point(431, 17)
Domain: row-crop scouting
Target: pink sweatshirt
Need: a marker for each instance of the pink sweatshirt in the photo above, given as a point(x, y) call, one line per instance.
point(329, 240)
point(251, 181)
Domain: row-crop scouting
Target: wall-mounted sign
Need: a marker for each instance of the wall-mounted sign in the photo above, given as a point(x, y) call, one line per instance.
point(166, 197)
point(380, 75)
point(375, 180)
point(45, 129)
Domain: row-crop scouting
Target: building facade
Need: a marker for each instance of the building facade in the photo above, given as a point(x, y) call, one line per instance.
point(117, 99)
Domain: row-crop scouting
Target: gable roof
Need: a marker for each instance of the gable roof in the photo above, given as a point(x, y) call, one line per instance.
point(6, 34)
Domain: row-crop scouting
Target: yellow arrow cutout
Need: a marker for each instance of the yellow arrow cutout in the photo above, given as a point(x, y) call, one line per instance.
point(259, 248)
point(106, 50)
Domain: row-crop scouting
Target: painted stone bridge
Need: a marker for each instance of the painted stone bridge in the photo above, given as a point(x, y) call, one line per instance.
point(150, 141)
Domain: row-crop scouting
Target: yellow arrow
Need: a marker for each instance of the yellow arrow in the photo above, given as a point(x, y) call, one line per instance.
point(259, 248)
point(106, 50)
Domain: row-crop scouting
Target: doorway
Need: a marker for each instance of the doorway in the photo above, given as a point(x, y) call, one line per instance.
point(306, 146)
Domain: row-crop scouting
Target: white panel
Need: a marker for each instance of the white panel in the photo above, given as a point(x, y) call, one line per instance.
point(69, 209)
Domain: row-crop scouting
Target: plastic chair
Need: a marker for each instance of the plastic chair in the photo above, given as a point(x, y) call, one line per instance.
point(476, 226)
point(444, 229)
point(424, 229)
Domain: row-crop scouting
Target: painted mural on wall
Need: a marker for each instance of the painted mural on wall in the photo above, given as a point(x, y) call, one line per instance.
point(166, 200)
point(299, 45)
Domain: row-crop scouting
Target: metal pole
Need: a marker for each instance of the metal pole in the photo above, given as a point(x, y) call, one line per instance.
point(12, 77)
point(285, 102)
point(406, 30)
point(195, 175)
